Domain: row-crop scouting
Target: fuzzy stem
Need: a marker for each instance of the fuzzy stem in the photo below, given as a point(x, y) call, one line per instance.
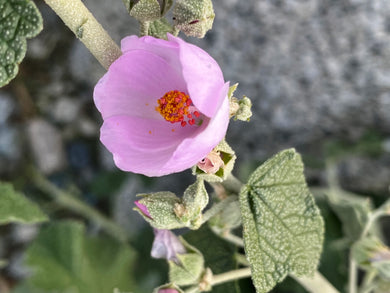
point(316, 284)
point(228, 236)
point(70, 202)
point(144, 28)
point(82, 23)
point(217, 208)
point(231, 276)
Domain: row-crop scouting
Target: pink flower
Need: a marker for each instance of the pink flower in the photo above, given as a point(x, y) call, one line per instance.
point(164, 105)
point(166, 245)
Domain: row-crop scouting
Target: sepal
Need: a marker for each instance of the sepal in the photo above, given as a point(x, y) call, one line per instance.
point(239, 109)
point(371, 253)
point(228, 158)
point(160, 207)
point(189, 269)
point(147, 10)
point(193, 17)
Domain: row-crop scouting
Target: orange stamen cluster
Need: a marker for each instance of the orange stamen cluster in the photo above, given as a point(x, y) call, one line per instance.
point(174, 107)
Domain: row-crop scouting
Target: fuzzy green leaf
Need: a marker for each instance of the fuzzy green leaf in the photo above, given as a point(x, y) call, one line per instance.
point(63, 259)
point(19, 19)
point(283, 229)
point(219, 255)
point(16, 208)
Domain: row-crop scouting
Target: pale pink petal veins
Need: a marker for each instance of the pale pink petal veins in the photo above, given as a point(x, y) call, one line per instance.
point(203, 76)
point(133, 84)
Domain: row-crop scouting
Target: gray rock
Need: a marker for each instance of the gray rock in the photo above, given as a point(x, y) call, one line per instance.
point(7, 106)
point(66, 109)
point(11, 146)
point(123, 214)
point(46, 145)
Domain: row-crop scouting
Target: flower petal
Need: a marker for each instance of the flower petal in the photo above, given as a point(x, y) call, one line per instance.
point(194, 148)
point(133, 84)
point(166, 50)
point(204, 78)
point(144, 146)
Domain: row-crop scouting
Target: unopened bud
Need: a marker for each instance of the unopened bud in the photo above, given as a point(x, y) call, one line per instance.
point(217, 165)
point(193, 17)
point(147, 10)
point(211, 163)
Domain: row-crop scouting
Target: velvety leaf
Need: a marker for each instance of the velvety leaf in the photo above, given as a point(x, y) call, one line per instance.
point(63, 259)
point(283, 230)
point(352, 210)
point(218, 254)
point(15, 207)
point(19, 19)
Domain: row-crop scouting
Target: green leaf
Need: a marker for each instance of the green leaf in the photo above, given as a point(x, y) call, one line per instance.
point(352, 210)
point(78, 264)
point(218, 254)
point(19, 19)
point(283, 230)
point(15, 207)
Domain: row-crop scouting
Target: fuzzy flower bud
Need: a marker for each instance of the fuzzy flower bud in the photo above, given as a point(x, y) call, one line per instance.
point(217, 165)
point(166, 245)
point(147, 10)
point(211, 163)
point(193, 17)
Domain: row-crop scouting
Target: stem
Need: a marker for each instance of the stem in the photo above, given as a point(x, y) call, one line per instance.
point(316, 284)
point(241, 259)
point(352, 275)
point(68, 201)
point(82, 23)
point(144, 28)
point(229, 237)
point(217, 208)
point(232, 184)
point(230, 276)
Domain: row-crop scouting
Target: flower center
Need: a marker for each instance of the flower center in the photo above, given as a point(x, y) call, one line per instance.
point(176, 106)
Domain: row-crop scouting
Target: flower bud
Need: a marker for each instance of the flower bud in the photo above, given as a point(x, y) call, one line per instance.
point(166, 245)
point(147, 10)
point(164, 210)
point(189, 269)
point(239, 109)
point(193, 17)
point(371, 253)
point(221, 157)
point(211, 163)
point(158, 210)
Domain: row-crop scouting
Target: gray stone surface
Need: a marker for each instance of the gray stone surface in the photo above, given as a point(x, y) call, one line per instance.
point(46, 145)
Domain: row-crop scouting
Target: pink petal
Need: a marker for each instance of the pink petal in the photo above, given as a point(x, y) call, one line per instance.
point(145, 146)
point(133, 84)
point(194, 148)
point(166, 50)
point(142, 208)
point(204, 78)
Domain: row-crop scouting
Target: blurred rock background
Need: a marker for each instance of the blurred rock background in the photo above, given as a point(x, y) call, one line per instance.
point(317, 71)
